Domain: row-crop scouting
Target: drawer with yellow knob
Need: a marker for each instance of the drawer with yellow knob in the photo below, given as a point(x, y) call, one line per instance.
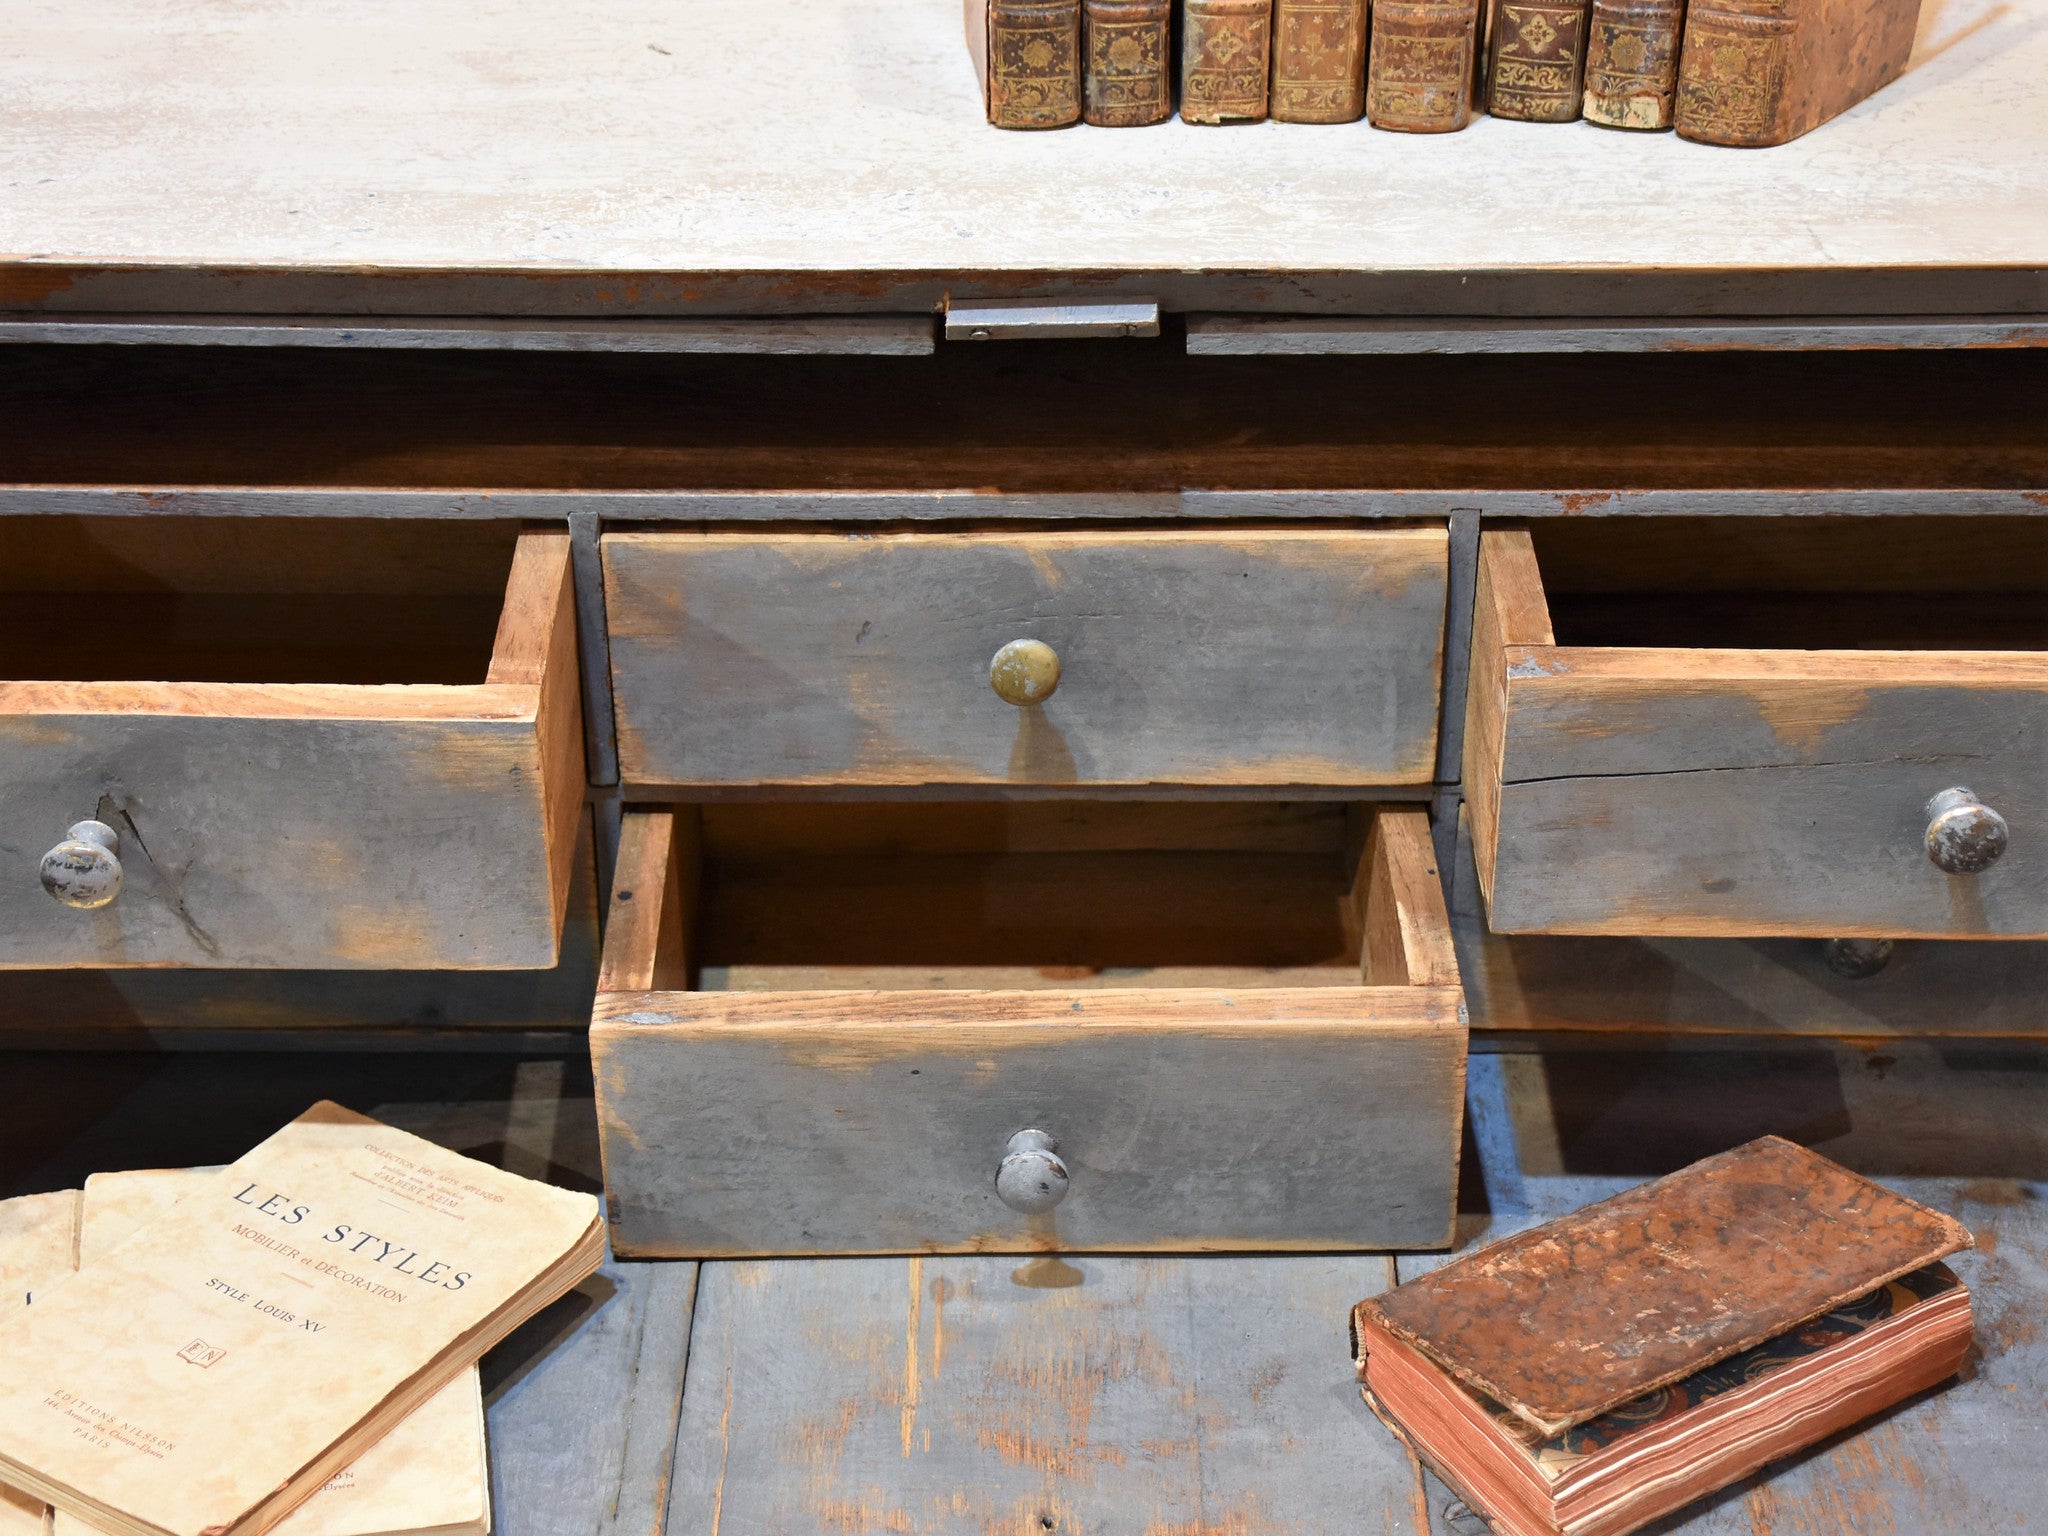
point(286, 743)
point(1093, 657)
point(1017, 1026)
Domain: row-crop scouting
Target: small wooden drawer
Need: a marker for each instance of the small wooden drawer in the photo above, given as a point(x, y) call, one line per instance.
point(1762, 727)
point(1259, 657)
point(306, 744)
point(825, 1030)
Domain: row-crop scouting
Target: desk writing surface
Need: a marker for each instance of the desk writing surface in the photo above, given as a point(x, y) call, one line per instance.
point(659, 156)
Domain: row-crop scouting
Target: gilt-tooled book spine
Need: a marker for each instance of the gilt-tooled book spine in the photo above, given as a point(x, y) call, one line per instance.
point(1318, 61)
point(1034, 63)
point(1226, 58)
point(1128, 45)
point(1537, 60)
point(1424, 57)
point(1632, 62)
point(1761, 72)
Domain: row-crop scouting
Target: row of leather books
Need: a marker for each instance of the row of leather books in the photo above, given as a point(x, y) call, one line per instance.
point(1743, 72)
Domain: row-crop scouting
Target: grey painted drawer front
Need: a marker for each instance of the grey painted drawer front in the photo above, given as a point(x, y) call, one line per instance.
point(1203, 657)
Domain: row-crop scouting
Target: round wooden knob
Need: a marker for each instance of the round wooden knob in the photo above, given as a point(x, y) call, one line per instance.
point(1025, 672)
point(1859, 959)
point(1031, 1178)
point(1964, 835)
point(84, 870)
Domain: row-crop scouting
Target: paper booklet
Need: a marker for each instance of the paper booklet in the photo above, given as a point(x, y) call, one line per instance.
point(213, 1372)
point(38, 1236)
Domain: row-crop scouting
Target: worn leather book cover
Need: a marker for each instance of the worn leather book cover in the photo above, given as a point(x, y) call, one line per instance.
point(1318, 61)
point(1760, 72)
point(1226, 60)
point(38, 1241)
point(1128, 46)
point(211, 1374)
point(1566, 1321)
point(1027, 56)
point(1632, 62)
point(1423, 61)
point(1536, 60)
point(428, 1477)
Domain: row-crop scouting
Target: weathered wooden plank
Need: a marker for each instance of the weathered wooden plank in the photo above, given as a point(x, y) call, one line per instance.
point(1508, 609)
point(755, 830)
point(964, 1396)
point(1324, 336)
point(652, 920)
point(874, 335)
point(1407, 930)
point(1611, 988)
point(331, 826)
point(1251, 657)
point(852, 1122)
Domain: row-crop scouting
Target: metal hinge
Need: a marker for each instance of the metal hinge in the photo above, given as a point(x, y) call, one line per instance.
point(1037, 320)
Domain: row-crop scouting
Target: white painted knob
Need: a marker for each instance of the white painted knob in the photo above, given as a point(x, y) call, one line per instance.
point(84, 870)
point(1032, 1178)
point(1025, 672)
point(1964, 835)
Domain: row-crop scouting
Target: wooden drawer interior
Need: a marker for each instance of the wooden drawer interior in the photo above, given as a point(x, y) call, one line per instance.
point(251, 600)
point(1739, 727)
point(818, 1026)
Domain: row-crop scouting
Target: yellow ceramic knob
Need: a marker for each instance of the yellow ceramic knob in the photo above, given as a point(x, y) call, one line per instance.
point(1025, 672)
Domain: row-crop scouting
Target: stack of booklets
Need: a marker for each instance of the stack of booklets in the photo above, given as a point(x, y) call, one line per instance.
point(1591, 1375)
point(290, 1341)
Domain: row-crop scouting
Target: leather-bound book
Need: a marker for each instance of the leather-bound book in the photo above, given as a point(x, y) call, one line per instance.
point(1027, 54)
point(1424, 58)
point(1318, 61)
point(1632, 62)
point(1536, 60)
point(1128, 45)
point(1596, 1373)
point(1761, 72)
point(1226, 59)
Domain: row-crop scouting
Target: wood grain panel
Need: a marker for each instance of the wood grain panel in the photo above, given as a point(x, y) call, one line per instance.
point(311, 826)
point(1251, 657)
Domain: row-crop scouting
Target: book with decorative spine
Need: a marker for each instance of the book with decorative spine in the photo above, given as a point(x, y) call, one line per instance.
point(429, 1477)
point(1536, 60)
point(38, 1247)
point(1754, 73)
point(1423, 60)
point(1632, 62)
point(1027, 57)
point(214, 1372)
point(1226, 60)
point(1128, 78)
point(1318, 61)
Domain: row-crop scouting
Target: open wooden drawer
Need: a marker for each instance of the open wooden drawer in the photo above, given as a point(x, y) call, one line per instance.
point(1214, 656)
point(308, 743)
point(828, 1029)
point(1756, 727)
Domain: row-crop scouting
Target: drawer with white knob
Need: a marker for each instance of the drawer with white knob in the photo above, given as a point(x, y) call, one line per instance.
point(295, 744)
point(1823, 727)
point(1028, 1026)
point(1096, 657)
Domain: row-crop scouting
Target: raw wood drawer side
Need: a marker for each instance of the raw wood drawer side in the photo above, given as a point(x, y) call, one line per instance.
point(1307, 1114)
point(1714, 791)
point(305, 826)
point(1260, 657)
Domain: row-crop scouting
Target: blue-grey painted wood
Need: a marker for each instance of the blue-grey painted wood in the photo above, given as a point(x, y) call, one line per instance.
point(872, 335)
point(581, 1406)
point(971, 1395)
point(1334, 335)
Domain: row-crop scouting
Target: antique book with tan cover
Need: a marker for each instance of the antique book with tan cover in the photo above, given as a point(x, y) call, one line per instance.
point(211, 1374)
point(1128, 45)
point(38, 1243)
point(1318, 61)
point(1595, 1373)
point(1632, 62)
point(1423, 61)
point(1027, 56)
point(1536, 60)
point(1226, 58)
point(1761, 72)
point(428, 1477)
